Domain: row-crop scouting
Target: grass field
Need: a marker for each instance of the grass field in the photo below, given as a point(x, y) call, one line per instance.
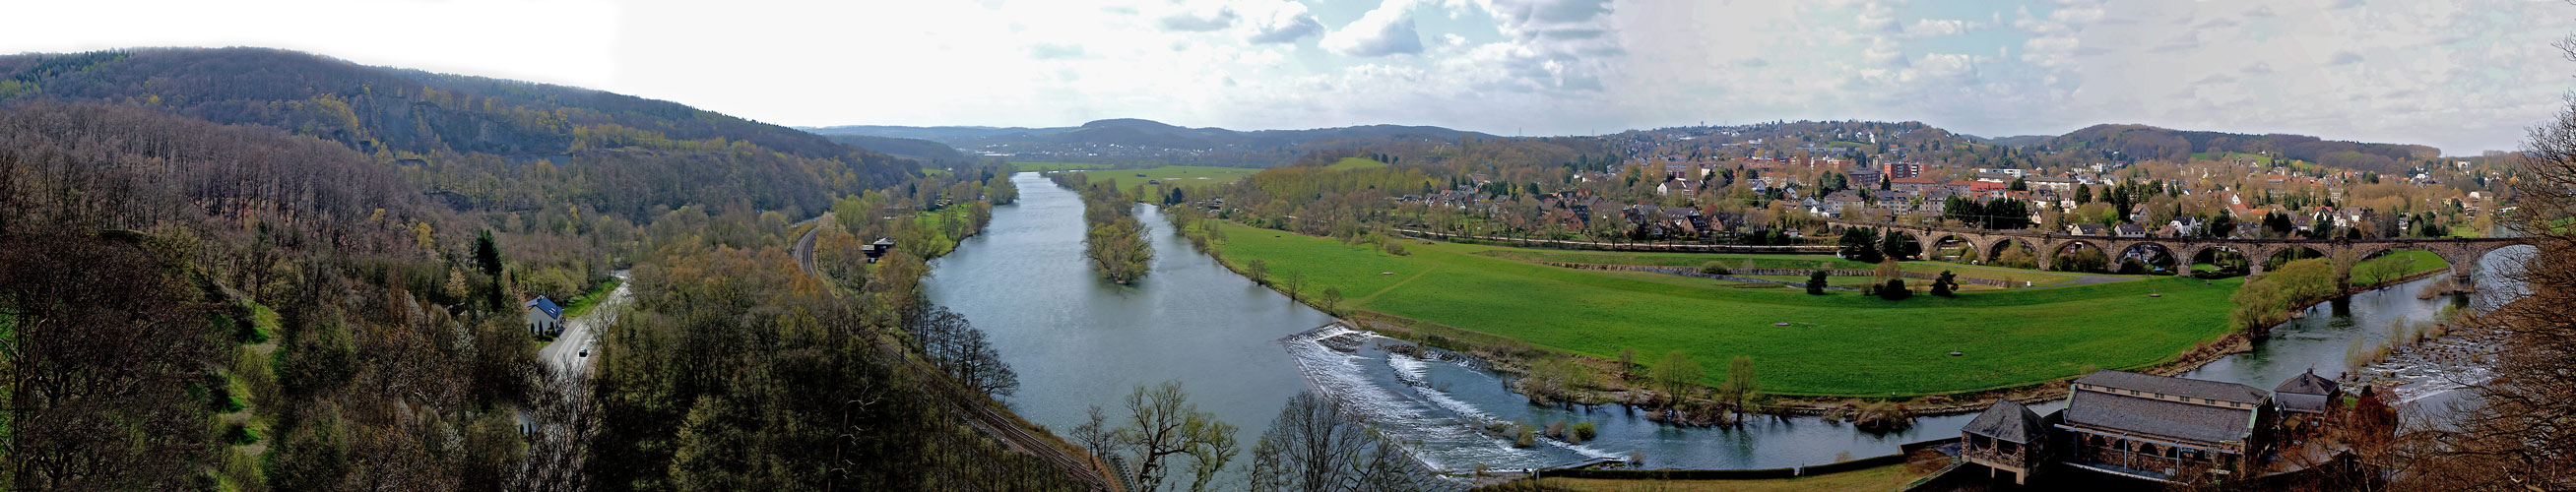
point(1186, 176)
point(938, 224)
point(1057, 166)
point(1872, 479)
point(2395, 264)
point(1350, 163)
point(1841, 344)
point(582, 305)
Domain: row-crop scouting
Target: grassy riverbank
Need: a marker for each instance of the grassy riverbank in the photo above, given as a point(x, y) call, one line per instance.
point(1842, 344)
point(1180, 176)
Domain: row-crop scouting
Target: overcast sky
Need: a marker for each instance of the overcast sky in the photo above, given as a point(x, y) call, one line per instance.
point(2461, 75)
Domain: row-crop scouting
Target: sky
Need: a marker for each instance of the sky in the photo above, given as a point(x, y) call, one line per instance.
point(2465, 76)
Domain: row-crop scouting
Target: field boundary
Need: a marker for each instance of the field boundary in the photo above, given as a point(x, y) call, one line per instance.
point(1601, 246)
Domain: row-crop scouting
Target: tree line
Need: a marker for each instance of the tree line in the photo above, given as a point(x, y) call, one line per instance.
point(1114, 241)
point(177, 294)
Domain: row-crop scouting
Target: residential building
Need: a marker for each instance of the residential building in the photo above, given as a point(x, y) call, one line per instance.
point(544, 317)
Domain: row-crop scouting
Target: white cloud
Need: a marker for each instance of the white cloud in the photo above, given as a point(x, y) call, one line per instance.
point(1200, 18)
point(1280, 21)
point(1051, 51)
point(1386, 30)
point(2464, 75)
point(1939, 27)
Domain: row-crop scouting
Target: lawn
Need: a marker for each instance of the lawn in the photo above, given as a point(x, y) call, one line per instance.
point(1839, 344)
point(587, 300)
point(1350, 163)
point(1880, 478)
point(1185, 176)
point(2396, 264)
point(1056, 166)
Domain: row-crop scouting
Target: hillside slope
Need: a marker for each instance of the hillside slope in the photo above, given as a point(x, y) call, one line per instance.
point(1140, 140)
point(2147, 142)
point(475, 135)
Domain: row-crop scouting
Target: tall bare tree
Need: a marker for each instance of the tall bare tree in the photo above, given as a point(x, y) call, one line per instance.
point(2520, 434)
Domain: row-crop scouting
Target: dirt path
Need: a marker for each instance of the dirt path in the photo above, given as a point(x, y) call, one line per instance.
point(1400, 283)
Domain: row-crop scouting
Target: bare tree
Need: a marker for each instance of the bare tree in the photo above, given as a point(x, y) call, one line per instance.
point(2521, 435)
point(561, 410)
point(1163, 423)
point(1316, 445)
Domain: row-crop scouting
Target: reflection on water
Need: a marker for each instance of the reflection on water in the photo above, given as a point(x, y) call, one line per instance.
point(1242, 350)
point(1078, 341)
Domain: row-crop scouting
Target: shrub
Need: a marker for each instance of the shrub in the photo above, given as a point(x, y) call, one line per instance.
point(1585, 430)
point(1714, 268)
point(1816, 283)
point(1894, 290)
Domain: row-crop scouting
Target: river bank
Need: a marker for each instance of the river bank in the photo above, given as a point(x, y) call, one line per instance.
point(1602, 379)
point(1075, 338)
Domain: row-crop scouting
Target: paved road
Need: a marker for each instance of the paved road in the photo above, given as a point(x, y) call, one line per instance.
point(583, 332)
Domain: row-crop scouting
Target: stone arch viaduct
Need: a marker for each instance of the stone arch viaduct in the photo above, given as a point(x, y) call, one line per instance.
point(2462, 254)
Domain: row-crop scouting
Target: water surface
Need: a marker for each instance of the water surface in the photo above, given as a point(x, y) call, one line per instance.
point(1242, 350)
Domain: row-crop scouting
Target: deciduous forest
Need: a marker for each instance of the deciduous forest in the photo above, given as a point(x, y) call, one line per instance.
point(247, 269)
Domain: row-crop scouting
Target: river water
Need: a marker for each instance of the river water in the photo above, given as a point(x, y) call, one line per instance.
point(1242, 350)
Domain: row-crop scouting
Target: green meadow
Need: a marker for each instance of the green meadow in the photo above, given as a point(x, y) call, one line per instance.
point(1056, 166)
point(1181, 176)
point(1840, 344)
point(2395, 264)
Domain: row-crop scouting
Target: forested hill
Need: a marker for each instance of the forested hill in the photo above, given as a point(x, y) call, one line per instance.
point(2146, 142)
point(1139, 140)
point(911, 148)
point(470, 138)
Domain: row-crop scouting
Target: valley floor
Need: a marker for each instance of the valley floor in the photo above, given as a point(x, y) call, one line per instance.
point(1839, 344)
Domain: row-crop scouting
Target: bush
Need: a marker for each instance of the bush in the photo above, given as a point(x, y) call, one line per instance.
point(1585, 431)
point(1714, 268)
point(1894, 290)
point(1816, 283)
point(240, 435)
point(1528, 437)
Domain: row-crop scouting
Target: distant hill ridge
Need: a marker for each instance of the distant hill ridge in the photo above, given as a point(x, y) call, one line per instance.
point(1146, 133)
point(624, 154)
point(2138, 141)
point(2148, 142)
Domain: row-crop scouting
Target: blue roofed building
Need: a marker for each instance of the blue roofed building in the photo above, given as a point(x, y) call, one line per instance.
point(544, 317)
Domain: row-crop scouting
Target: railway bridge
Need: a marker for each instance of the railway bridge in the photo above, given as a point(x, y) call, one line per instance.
point(2462, 253)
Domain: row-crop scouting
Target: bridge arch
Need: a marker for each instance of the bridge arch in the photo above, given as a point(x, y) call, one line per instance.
point(2271, 255)
point(2218, 255)
point(1940, 240)
point(2081, 253)
point(1993, 250)
point(2173, 262)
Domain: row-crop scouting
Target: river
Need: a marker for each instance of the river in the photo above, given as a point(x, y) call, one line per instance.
point(1241, 350)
